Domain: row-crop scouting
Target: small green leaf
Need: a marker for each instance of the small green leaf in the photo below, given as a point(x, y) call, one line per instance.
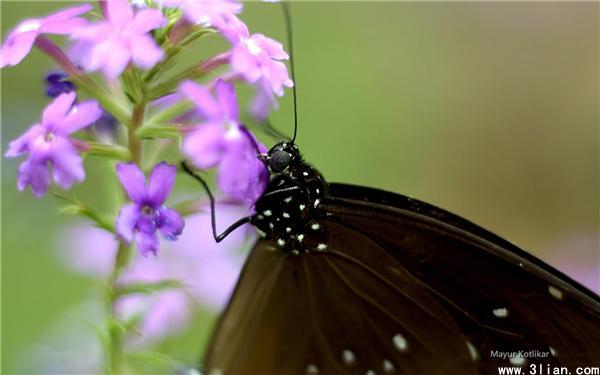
point(150, 357)
point(170, 113)
point(133, 85)
point(159, 131)
point(169, 86)
point(108, 151)
point(196, 34)
point(75, 207)
point(148, 288)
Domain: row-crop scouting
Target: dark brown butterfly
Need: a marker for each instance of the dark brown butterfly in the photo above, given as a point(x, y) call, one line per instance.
point(349, 279)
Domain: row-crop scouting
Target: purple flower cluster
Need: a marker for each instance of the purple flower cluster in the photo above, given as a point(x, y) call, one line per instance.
point(122, 37)
point(135, 46)
point(51, 150)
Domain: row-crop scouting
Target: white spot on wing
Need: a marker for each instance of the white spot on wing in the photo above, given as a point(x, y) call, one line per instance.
point(473, 351)
point(517, 360)
point(555, 292)
point(501, 312)
point(281, 242)
point(286, 215)
point(348, 357)
point(267, 213)
point(288, 200)
point(305, 174)
point(295, 252)
point(312, 369)
point(400, 342)
point(300, 237)
point(315, 226)
point(288, 229)
point(317, 202)
point(388, 366)
point(302, 207)
point(321, 247)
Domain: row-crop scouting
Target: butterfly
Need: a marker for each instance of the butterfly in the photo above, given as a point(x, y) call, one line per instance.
point(350, 279)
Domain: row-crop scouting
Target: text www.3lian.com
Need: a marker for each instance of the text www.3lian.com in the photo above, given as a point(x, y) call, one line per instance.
point(535, 369)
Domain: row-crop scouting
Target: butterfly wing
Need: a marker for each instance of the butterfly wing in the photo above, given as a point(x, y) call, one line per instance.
point(398, 290)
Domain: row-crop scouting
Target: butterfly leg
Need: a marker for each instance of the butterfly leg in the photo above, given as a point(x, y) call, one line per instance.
point(213, 219)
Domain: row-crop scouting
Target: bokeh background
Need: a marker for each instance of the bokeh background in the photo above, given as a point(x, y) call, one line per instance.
point(489, 110)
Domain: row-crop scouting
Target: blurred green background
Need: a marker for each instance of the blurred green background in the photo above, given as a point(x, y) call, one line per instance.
point(489, 110)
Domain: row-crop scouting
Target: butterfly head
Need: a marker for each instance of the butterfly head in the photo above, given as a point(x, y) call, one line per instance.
point(281, 157)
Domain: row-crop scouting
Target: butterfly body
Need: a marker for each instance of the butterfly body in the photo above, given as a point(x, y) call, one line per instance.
point(347, 279)
point(288, 211)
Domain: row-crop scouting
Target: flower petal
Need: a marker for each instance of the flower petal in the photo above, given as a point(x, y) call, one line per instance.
point(232, 28)
point(243, 176)
point(133, 181)
point(34, 174)
point(205, 146)
point(263, 101)
point(272, 48)
point(111, 56)
point(147, 20)
point(81, 116)
point(68, 165)
point(55, 113)
point(161, 183)
point(65, 14)
point(146, 243)
point(119, 12)
point(227, 100)
point(126, 221)
point(170, 223)
point(21, 144)
point(16, 47)
point(144, 51)
point(65, 27)
point(207, 106)
point(244, 63)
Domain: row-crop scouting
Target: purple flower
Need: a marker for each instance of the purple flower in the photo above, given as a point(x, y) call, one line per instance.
point(206, 12)
point(221, 140)
point(123, 37)
point(49, 143)
point(147, 214)
point(256, 57)
point(21, 39)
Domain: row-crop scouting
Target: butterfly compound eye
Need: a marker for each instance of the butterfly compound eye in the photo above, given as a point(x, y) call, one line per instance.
point(280, 160)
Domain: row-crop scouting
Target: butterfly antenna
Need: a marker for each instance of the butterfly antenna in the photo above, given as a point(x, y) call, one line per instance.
point(288, 26)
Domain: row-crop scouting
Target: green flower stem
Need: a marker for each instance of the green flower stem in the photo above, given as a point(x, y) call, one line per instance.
point(135, 143)
point(116, 330)
point(170, 113)
point(82, 80)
